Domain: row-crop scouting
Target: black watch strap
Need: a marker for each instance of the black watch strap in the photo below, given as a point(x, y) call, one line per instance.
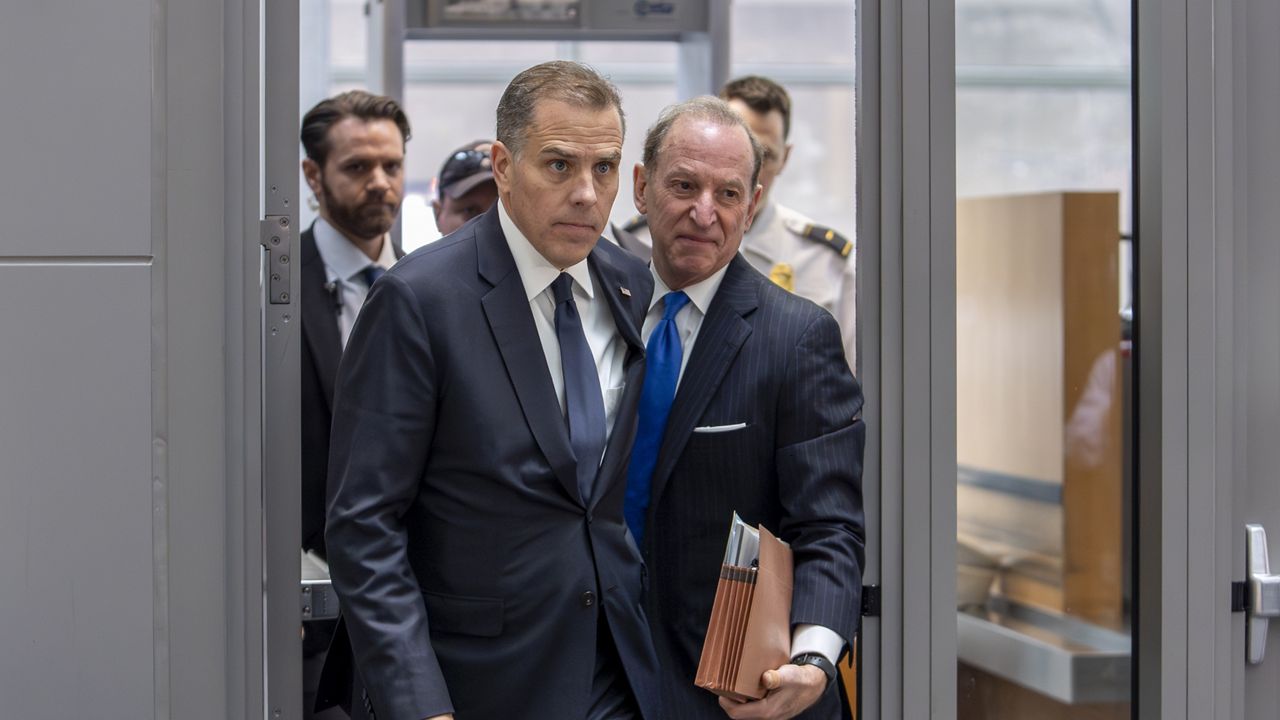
point(819, 661)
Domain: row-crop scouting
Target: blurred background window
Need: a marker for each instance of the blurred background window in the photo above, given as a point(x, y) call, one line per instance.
point(453, 86)
point(1043, 358)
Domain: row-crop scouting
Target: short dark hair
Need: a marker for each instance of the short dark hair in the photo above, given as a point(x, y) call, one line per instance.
point(568, 82)
point(700, 108)
point(762, 95)
point(355, 103)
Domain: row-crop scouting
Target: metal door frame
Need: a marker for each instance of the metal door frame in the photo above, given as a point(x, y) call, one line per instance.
point(702, 68)
point(1184, 359)
point(1186, 79)
point(906, 296)
point(264, 649)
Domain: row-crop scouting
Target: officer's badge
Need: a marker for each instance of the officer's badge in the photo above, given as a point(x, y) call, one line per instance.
point(783, 276)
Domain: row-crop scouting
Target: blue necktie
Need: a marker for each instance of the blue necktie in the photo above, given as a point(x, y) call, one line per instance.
point(662, 372)
point(371, 274)
point(584, 405)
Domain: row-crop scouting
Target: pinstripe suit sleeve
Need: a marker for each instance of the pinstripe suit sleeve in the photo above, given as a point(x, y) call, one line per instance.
point(820, 439)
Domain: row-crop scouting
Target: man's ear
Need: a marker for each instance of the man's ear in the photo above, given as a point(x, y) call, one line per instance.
point(755, 205)
point(503, 161)
point(311, 171)
point(436, 208)
point(786, 155)
point(638, 183)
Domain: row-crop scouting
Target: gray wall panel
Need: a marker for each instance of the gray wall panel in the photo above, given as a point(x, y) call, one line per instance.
point(195, 307)
point(77, 88)
point(75, 492)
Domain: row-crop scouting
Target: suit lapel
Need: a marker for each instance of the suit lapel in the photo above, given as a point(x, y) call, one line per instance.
point(610, 282)
point(723, 332)
point(319, 318)
point(507, 310)
point(627, 311)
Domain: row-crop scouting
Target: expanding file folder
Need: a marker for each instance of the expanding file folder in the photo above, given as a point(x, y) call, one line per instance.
point(750, 627)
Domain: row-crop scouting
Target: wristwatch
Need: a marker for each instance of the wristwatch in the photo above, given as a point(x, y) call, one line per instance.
point(819, 661)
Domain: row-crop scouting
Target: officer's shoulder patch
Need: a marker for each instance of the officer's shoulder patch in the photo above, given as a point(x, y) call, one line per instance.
point(842, 245)
point(635, 223)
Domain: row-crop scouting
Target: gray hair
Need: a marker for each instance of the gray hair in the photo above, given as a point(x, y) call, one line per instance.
point(707, 108)
point(568, 82)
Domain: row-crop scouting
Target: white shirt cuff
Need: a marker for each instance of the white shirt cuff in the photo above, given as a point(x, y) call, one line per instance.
point(816, 639)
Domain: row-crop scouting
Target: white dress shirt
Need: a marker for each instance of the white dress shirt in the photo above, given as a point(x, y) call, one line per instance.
point(806, 638)
point(343, 265)
point(607, 346)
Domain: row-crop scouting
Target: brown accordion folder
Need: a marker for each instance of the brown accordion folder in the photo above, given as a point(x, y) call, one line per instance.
point(750, 628)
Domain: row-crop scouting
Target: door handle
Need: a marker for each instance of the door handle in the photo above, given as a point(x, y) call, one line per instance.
point(1263, 593)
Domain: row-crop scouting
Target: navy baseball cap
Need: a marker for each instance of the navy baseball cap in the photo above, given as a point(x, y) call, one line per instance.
point(465, 168)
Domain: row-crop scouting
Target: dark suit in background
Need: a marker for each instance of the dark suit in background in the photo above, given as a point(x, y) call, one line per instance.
point(470, 569)
point(321, 351)
point(628, 241)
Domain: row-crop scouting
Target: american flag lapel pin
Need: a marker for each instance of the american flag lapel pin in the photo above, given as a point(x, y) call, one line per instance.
point(625, 291)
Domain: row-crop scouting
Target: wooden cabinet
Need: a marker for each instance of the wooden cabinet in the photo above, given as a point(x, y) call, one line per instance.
point(1039, 441)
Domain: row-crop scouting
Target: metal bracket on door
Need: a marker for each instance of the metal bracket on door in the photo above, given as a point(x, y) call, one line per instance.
point(1263, 593)
point(870, 601)
point(276, 236)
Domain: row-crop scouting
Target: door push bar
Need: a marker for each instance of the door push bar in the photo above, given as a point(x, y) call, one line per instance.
point(1262, 597)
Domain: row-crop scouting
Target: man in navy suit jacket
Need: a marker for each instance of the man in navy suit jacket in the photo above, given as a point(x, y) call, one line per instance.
point(762, 417)
point(475, 531)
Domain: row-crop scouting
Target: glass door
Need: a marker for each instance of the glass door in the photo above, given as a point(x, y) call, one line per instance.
point(1044, 349)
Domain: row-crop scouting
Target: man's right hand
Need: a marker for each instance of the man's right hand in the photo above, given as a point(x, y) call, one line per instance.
point(440, 717)
point(792, 689)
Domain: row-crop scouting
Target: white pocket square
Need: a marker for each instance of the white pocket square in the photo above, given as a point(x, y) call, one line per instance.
point(719, 428)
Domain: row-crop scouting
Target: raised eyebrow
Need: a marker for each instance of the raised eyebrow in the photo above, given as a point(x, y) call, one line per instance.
point(559, 153)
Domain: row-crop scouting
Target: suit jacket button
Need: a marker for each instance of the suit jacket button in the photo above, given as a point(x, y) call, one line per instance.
point(588, 599)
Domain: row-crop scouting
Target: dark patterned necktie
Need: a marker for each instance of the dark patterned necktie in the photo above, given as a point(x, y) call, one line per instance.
point(584, 405)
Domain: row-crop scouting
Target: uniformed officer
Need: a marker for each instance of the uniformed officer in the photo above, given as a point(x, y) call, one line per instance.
point(808, 259)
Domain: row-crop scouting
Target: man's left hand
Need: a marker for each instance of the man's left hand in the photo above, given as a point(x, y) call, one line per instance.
point(792, 689)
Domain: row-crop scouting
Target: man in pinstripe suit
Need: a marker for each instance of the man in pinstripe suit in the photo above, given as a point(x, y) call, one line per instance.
point(761, 417)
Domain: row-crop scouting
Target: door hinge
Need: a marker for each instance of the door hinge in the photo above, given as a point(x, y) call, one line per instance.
point(870, 601)
point(1239, 596)
point(276, 235)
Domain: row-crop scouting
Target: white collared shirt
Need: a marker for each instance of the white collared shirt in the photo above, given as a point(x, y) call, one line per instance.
point(344, 264)
point(607, 346)
point(689, 319)
point(806, 638)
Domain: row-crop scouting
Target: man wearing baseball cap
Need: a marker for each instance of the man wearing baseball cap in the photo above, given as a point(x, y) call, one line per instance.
point(465, 186)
